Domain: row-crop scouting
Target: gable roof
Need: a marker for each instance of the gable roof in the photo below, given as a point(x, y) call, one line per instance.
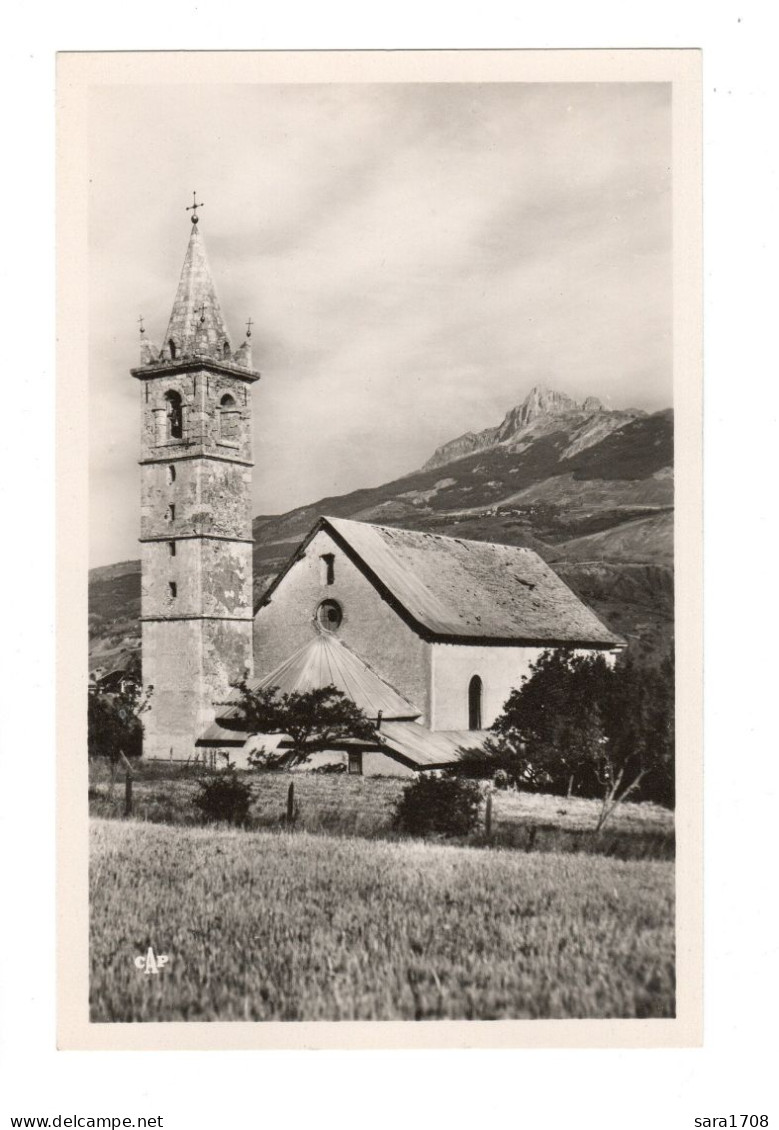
point(455, 590)
point(325, 661)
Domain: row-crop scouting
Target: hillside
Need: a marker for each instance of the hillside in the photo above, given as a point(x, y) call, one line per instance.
point(590, 490)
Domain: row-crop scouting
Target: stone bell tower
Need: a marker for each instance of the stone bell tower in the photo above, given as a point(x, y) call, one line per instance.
point(196, 532)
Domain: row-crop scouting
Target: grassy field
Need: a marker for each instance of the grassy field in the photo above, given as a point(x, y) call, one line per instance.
point(364, 806)
point(293, 926)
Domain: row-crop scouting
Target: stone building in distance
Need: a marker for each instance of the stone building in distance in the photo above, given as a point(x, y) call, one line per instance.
point(428, 635)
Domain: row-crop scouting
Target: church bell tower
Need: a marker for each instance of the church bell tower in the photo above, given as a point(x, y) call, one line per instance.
point(196, 532)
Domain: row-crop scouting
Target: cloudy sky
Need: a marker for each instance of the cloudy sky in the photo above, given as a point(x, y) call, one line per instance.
point(414, 257)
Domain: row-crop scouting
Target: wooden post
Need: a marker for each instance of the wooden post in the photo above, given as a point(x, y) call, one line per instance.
point(291, 803)
point(128, 786)
point(488, 817)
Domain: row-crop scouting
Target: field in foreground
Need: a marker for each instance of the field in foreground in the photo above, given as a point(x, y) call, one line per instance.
point(364, 806)
point(291, 926)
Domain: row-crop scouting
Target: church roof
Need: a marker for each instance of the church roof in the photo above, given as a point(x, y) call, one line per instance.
point(324, 661)
point(460, 591)
point(421, 748)
point(196, 324)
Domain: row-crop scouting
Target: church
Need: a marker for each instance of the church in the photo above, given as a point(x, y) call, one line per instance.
point(427, 634)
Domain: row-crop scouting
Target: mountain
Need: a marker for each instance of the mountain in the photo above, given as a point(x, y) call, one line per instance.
point(542, 411)
point(589, 489)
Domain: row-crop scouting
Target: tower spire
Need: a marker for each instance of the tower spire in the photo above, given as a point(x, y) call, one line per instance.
point(197, 326)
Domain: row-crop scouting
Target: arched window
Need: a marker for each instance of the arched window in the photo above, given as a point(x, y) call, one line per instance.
point(226, 349)
point(175, 414)
point(172, 349)
point(228, 419)
point(474, 703)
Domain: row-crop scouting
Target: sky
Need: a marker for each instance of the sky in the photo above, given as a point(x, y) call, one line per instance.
point(414, 257)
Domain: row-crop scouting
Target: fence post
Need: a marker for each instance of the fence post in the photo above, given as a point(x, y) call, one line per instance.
point(488, 817)
point(291, 803)
point(128, 786)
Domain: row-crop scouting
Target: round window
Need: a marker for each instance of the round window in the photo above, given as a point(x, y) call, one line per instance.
point(329, 615)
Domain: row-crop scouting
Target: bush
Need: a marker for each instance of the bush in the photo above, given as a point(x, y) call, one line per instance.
point(224, 797)
point(447, 806)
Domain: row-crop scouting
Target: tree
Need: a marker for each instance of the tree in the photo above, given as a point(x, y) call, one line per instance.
point(114, 723)
point(315, 719)
point(575, 725)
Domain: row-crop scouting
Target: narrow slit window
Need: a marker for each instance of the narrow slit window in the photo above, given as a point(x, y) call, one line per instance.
point(171, 474)
point(173, 587)
point(172, 512)
point(474, 703)
point(172, 548)
point(328, 568)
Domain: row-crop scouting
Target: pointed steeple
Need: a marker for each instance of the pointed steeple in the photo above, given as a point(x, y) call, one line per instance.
point(196, 326)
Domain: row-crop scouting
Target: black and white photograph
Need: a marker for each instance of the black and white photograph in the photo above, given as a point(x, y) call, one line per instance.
point(381, 707)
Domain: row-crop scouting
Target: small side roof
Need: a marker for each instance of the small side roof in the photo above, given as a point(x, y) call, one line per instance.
point(458, 590)
point(421, 748)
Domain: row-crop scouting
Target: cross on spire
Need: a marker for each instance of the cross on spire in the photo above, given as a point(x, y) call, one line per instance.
point(140, 324)
point(249, 325)
point(193, 207)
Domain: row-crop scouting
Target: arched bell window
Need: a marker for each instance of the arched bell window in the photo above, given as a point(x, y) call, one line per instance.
point(474, 703)
point(175, 414)
point(228, 419)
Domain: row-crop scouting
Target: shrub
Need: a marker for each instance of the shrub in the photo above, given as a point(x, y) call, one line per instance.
point(224, 797)
point(447, 806)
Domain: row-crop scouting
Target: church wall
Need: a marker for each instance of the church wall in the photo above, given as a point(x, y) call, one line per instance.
point(501, 670)
point(377, 764)
point(454, 665)
point(370, 627)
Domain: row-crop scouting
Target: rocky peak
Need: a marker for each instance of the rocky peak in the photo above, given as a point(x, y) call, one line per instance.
point(537, 411)
point(539, 401)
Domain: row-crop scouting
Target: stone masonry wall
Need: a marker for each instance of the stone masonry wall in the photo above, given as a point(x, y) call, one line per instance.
point(212, 578)
point(205, 429)
point(188, 663)
point(196, 571)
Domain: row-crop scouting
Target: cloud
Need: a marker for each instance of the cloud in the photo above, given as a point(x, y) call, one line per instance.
point(414, 257)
